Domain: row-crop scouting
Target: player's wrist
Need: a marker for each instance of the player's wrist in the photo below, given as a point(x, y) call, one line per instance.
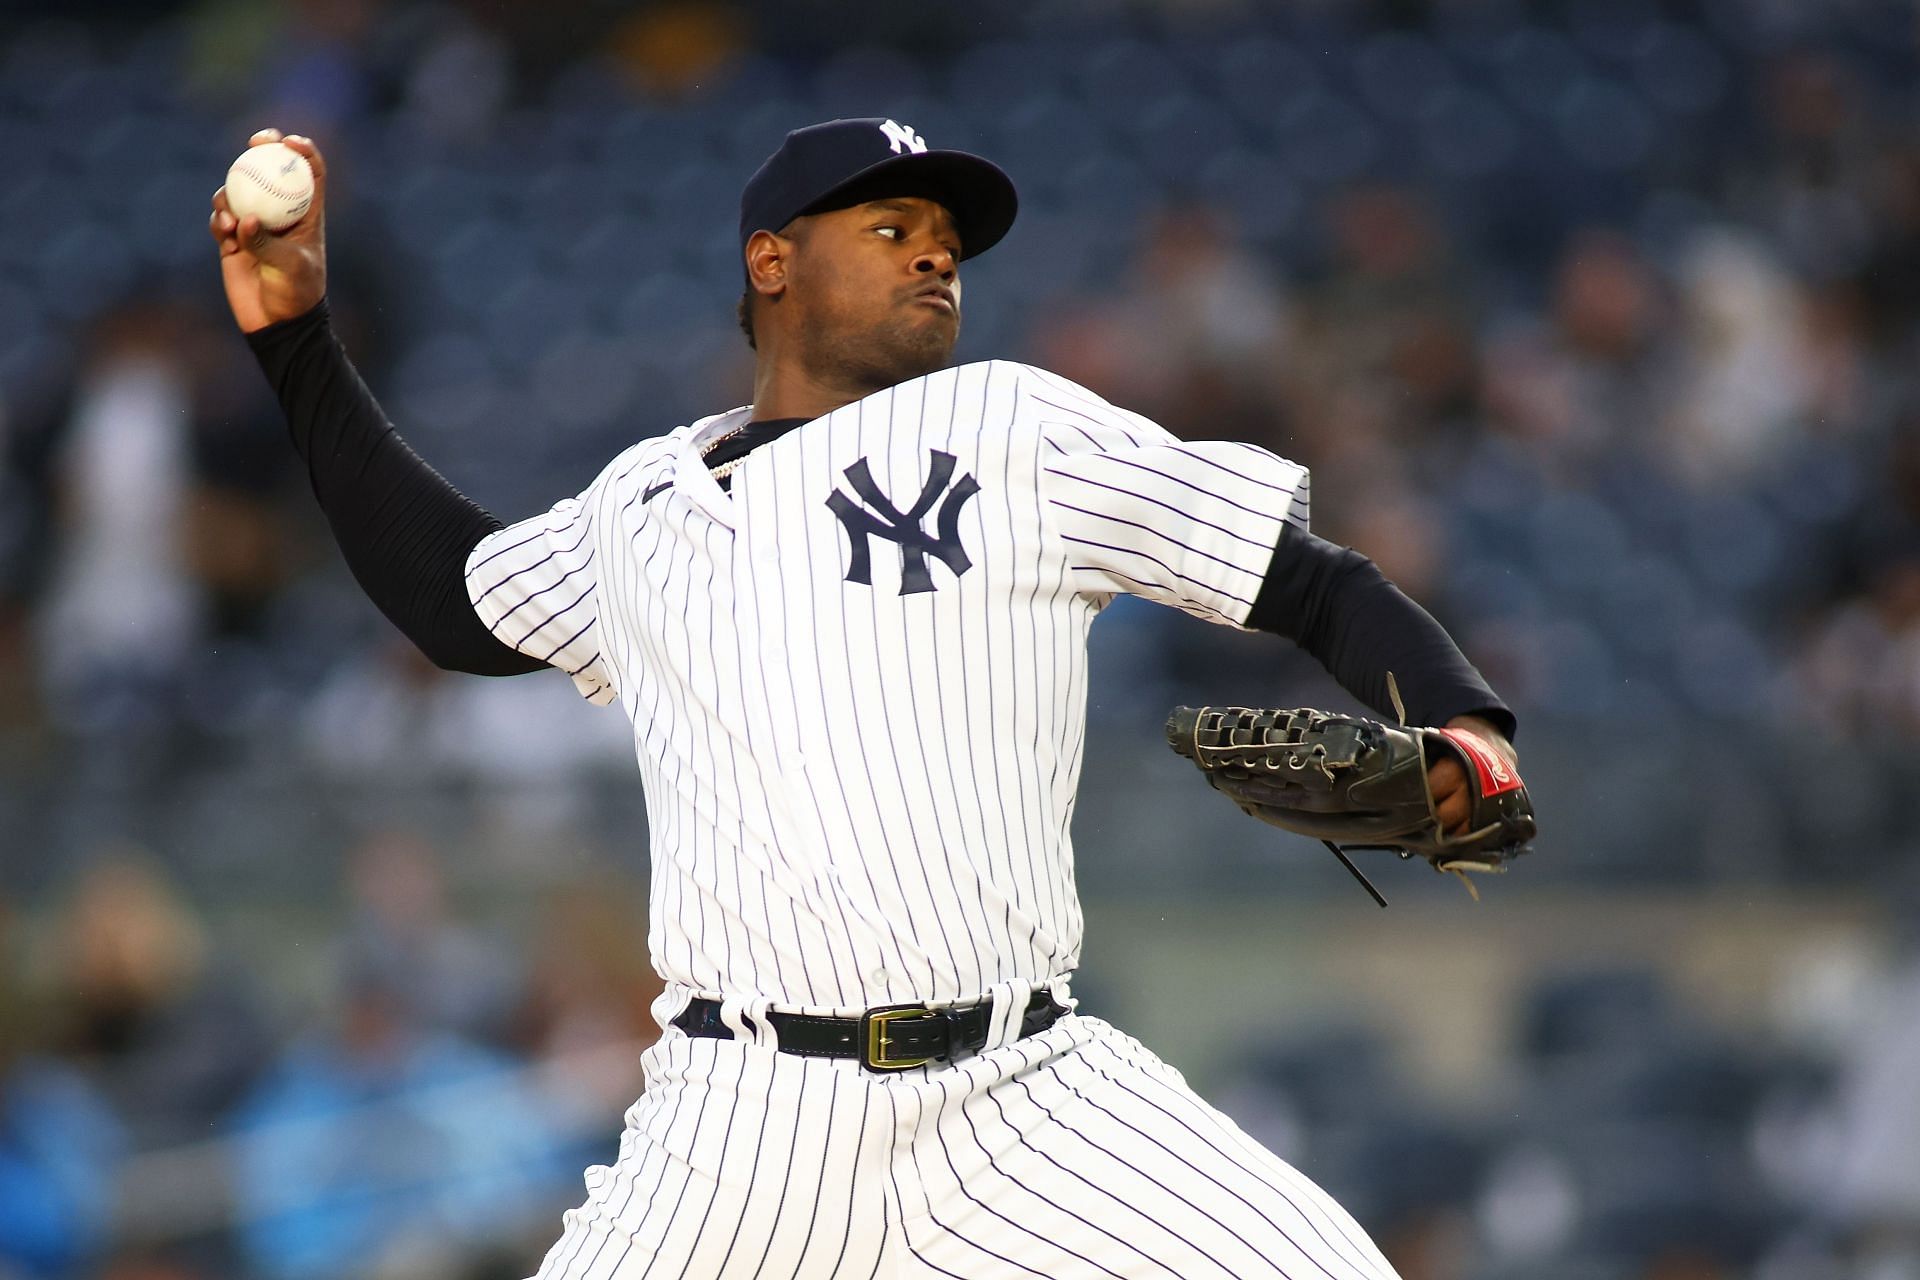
point(317, 316)
point(1484, 729)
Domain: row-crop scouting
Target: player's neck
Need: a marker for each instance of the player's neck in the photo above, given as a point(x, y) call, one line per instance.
point(782, 389)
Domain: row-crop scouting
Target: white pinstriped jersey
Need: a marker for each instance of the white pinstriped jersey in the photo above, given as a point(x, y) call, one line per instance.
point(858, 682)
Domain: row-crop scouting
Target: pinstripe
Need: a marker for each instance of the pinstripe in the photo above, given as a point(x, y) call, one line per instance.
point(1149, 498)
point(1167, 1191)
point(1169, 1197)
point(886, 720)
point(863, 768)
point(1188, 451)
point(796, 682)
point(707, 734)
point(1105, 423)
point(806, 880)
point(1191, 1168)
point(1138, 554)
point(1187, 1102)
point(1071, 726)
point(1159, 590)
point(1184, 483)
point(535, 532)
point(1019, 1227)
point(633, 1181)
point(666, 823)
point(936, 778)
point(846, 1238)
point(987, 656)
point(1087, 438)
point(1042, 877)
point(586, 531)
point(972, 386)
point(880, 1255)
point(726, 1148)
point(931, 1216)
point(894, 1163)
point(836, 423)
point(550, 615)
point(547, 621)
point(968, 816)
point(654, 1149)
point(716, 740)
point(975, 821)
point(982, 818)
point(1105, 1193)
point(550, 654)
point(1060, 888)
point(786, 1183)
point(1097, 410)
point(668, 1220)
point(1035, 1193)
point(1075, 1175)
point(1152, 532)
point(685, 857)
point(1079, 394)
point(811, 879)
point(859, 797)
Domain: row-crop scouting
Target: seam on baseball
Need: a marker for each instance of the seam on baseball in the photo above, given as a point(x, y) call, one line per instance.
point(266, 185)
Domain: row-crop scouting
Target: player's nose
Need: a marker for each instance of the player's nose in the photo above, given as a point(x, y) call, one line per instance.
point(936, 261)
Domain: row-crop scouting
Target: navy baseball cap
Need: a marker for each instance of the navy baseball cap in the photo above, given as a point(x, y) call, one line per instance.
point(848, 162)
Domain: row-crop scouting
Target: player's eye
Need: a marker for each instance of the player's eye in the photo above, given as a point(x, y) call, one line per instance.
point(892, 232)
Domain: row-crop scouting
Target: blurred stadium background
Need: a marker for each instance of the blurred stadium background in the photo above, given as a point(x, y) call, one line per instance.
point(1596, 320)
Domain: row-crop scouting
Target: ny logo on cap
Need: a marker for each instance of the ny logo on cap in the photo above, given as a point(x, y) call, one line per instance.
point(887, 521)
point(903, 138)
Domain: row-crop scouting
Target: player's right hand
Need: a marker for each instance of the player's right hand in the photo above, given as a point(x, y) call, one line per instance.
point(273, 276)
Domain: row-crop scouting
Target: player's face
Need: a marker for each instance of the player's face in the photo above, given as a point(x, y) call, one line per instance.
point(877, 288)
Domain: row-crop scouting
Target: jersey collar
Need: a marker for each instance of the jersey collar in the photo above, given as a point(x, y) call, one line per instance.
point(690, 473)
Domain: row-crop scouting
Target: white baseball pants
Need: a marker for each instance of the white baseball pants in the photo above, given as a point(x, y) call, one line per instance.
point(1072, 1153)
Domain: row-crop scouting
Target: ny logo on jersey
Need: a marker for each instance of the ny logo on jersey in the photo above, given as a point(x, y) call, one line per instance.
point(903, 138)
point(887, 521)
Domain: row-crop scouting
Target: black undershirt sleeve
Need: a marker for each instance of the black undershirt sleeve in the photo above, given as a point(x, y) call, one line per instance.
point(1337, 606)
point(405, 532)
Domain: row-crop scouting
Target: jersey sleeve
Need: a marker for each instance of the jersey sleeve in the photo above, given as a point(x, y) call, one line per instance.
point(1191, 524)
point(535, 585)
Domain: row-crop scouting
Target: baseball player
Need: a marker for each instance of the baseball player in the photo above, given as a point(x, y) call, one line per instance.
point(849, 623)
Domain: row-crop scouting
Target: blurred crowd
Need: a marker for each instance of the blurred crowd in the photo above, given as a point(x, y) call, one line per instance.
point(418, 1098)
point(1597, 322)
point(409, 1080)
point(1626, 1135)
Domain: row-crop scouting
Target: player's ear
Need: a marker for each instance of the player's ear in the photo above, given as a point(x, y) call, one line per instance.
point(767, 259)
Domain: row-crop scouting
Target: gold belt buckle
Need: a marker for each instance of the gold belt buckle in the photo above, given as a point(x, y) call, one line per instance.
point(878, 1042)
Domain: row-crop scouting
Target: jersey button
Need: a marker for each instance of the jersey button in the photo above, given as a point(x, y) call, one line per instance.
point(879, 977)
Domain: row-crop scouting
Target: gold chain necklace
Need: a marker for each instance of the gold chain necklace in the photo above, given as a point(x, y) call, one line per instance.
point(726, 468)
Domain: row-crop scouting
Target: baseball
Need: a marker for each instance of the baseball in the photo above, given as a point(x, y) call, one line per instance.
point(273, 182)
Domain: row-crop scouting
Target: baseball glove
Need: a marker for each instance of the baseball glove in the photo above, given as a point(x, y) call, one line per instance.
point(1354, 783)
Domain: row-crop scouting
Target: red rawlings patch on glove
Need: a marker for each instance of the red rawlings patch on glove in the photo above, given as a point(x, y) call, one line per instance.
point(1496, 775)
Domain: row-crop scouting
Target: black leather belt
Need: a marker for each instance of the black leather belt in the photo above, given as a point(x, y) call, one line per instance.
point(894, 1038)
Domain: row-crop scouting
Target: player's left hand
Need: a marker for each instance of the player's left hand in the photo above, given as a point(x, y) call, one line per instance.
point(1451, 795)
point(1453, 799)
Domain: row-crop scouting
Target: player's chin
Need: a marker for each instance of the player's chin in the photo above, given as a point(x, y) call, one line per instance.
point(924, 343)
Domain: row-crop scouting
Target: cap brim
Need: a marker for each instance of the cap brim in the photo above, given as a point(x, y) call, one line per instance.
point(977, 192)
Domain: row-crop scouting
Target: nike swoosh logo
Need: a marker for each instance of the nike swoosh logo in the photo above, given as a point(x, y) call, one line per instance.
point(656, 491)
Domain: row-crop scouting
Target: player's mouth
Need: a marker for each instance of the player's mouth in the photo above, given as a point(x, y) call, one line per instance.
point(939, 297)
